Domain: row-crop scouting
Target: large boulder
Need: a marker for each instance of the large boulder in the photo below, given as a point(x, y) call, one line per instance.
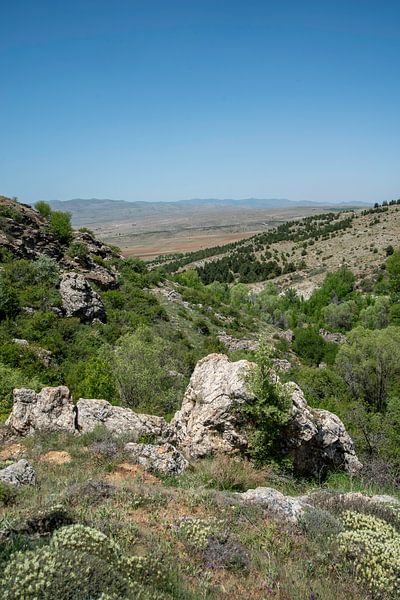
point(51, 409)
point(118, 420)
point(207, 421)
point(165, 458)
point(317, 439)
point(79, 299)
point(19, 473)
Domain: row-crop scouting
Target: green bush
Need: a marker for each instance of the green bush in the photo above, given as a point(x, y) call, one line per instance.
point(43, 208)
point(60, 226)
point(269, 412)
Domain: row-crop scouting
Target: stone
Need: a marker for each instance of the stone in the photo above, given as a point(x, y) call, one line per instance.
point(79, 299)
point(287, 508)
point(19, 473)
point(118, 420)
point(281, 364)
point(232, 343)
point(317, 439)
point(45, 356)
point(333, 338)
point(165, 458)
point(51, 409)
point(207, 421)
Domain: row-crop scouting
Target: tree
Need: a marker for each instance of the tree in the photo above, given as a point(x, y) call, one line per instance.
point(376, 316)
point(9, 304)
point(393, 270)
point(60, 226)
point(269, 412)
point(43, 208)
point(370, 364)
point(340, 316)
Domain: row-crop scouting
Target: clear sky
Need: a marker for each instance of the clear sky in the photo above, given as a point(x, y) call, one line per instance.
point(173, 99)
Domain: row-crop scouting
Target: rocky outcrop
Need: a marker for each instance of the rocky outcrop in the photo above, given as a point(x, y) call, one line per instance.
point(232, 343)
point(207, 422)
point(317, 439)
point(165, 459)
point(50, 410)
point(118, 420)
point(80, 300)
point(333, 338)
point(45, 356)
point(19, 473)
point(286, 508)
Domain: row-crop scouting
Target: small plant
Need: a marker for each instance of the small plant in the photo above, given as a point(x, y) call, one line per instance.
point(43, 208)
point(77, 250)
point(373, 545)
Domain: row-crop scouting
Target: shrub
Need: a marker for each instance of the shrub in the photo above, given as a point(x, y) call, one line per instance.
point(269, 412)
point(373, 546)
point(43, 208)
point(77, 250)
point(60, 226)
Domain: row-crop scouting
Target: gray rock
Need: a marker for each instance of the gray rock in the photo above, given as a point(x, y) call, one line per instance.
point(207, 422)
point(287, 508)
point(79, 299)
point(334, 338)
point(19, 473)
point(118, 420)
point(51, 409)
point(45, 356)
point(165, 459)
point(232, 343)
point(281, 364)
point(317, 439)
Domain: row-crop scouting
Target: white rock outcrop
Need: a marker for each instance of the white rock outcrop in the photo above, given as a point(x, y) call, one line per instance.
point(79, 299)
point(287, 508)
point(118, 420)
point(19, 473)
point(207, 422)
point(51, 409)
point(165, 458)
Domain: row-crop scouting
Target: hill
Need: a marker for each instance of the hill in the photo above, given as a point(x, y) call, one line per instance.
point(168, 434)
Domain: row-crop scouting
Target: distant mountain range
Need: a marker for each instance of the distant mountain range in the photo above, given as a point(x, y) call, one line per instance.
point(95, 210)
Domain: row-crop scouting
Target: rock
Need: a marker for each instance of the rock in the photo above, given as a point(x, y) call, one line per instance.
point(287, 508)
point(49, 410)
point(165, 459)
point(118, 420)
point(281, 364)
point(384, 499)
point(19, 473)
point(207, 422)
point(79, 299)
point(232, 343)
point(317, 439)
point(287, 335)
point(333, 338)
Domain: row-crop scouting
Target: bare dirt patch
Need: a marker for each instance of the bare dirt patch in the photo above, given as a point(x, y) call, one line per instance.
point(128, 472)
point(56, 457)
point(11, 451)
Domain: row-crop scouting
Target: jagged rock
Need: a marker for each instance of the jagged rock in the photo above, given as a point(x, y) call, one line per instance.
point(164, 459)
point(19, 473)
point(287, 508)
point(287, 335)
point(317, 439)
point(333, 338)
point(232, 343)
point(79, 299)
point(208, 421)
point(281, 364)
point(118, 420)
point(49, 410)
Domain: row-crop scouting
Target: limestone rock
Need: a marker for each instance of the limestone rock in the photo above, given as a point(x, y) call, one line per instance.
point(287, 508)
point(317, 439)
point(207, 422)
point(79, 299)
point(232, 343)
point(164, 459)
point(49, 410)
point(334, 338)
point(118, 420)
point(19, 473)
point(44, 355)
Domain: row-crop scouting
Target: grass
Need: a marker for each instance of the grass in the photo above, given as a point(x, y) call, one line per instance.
point(142, 513)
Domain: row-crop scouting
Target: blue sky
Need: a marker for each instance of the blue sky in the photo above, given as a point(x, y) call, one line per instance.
point(172, 99)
